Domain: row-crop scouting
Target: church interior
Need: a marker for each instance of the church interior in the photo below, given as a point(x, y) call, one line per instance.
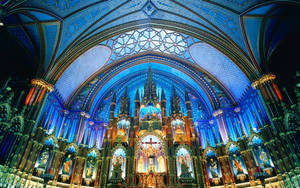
point(149, 93)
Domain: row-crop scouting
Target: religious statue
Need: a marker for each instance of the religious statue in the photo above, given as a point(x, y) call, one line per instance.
point(263, 156)
point(151, 165)
point(89, 168)
point(44, 158)
point(179, 130)
point(185, 172)
point(151, 180)
point(141, 164)
point(213, 167)
point(150, 151)
point(151, 155)
point(117, 167)
point(154, 116)
point(67, 165)
point(237, 164)
point(122, 131)
point(161, 164)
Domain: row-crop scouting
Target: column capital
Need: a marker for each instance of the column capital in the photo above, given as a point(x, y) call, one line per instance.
point(85, 115)
point(218, 113)
point(263, 79)
point(42, 83)
point(237, 109)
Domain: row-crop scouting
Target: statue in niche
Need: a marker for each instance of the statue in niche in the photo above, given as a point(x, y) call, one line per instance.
point(117, 167)
point(141, 164)
point(185, 172)
point(150, 151)
point(154, 116)
point(213, 167)
point(44, 158)
point(151, 164)
point(67, 165)
point(237, 164)
point(151, 180)
point(150, 156)
point(90, 166)
point(148, 116)
point(161, 164)
point(263, 156)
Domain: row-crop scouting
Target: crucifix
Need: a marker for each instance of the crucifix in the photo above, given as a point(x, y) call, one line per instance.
point(151, 142)
point(150, 150)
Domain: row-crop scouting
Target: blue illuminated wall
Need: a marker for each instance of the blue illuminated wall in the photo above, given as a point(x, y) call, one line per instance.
point(64, 124)
point(162, 80)
point(233, 122)
point(170, 77)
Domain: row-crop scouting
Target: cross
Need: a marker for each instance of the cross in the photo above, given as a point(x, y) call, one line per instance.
point(151, 142)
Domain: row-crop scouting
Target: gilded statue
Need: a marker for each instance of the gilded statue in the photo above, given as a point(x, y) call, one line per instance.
point(44, 158)
point(237, 164)
point(67, 165)
point(213, 167)
point(264, 157)
point(89, 169)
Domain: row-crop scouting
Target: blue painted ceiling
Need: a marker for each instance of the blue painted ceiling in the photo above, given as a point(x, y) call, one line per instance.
point(57, 32)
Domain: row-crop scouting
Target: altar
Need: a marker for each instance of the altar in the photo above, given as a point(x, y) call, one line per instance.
point(151, 165)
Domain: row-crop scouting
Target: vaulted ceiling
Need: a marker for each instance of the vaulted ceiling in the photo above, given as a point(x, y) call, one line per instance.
point(236, 37)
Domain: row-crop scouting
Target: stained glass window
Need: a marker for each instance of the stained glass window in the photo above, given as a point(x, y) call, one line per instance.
point(149, 39)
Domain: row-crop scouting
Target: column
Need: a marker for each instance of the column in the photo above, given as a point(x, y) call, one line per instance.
point(98, 173)
point(55, 165)
point(237, 111)
point(249, 162)
point(36, 99)
point(269, 94)
point(81, 126)
point(77, 173)
point(218, 114)
point(226, 169)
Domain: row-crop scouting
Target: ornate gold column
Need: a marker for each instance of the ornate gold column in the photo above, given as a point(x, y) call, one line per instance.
point(37, 147)
point(248, 158)
point(226, 170)
point(78, 171)
point(204, 165)
point(55, 165)
point(98, 173)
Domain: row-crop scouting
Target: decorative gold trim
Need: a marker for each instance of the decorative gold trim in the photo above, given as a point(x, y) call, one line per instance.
point(265, 78)
point(42, 83)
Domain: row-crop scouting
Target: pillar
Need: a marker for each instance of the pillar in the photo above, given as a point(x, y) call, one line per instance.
point(269, 94)
point(36, 99)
